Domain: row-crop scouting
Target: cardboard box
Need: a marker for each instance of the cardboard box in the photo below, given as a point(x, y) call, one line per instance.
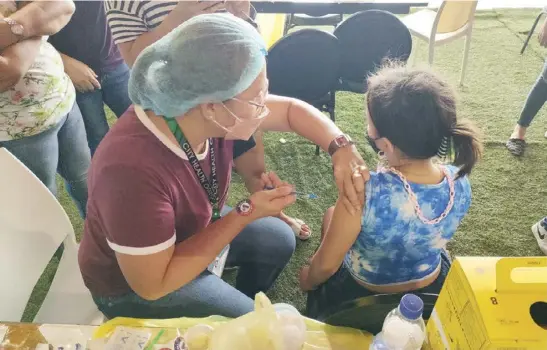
point(491, 303)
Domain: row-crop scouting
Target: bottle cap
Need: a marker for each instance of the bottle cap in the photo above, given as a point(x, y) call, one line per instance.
point(411, 306)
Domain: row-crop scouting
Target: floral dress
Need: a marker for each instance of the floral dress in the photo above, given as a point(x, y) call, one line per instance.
point(41, 98)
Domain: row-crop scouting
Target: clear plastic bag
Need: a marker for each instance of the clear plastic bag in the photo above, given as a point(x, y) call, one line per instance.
point(260, 329)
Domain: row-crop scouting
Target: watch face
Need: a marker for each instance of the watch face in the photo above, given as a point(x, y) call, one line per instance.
point(244, 207)
point(341, 140)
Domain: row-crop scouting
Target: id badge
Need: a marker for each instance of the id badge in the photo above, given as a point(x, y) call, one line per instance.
point(217, 266)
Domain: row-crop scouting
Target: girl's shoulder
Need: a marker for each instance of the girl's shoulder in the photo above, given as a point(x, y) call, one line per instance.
point(462, 181)
point(386, 181)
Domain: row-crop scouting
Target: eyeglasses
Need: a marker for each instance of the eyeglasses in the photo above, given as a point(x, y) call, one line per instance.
point(262, 109)
point(372, 142)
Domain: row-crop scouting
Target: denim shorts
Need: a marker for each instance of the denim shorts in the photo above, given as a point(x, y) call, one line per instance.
point(342, 287)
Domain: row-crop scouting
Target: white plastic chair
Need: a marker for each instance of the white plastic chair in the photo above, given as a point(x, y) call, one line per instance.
point(32, 226)
point(452, 20)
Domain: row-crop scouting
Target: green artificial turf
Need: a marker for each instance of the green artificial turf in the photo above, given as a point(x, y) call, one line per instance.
point(508, 193)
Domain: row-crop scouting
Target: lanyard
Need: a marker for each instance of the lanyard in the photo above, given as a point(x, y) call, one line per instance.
point(209, 186)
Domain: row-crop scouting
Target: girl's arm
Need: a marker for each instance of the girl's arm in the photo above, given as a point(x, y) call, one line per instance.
point(339, 237)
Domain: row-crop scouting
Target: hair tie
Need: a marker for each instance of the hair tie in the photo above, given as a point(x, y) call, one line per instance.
point(444, 147)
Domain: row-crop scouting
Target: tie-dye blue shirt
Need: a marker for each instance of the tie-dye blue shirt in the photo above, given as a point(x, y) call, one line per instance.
point(394, 245)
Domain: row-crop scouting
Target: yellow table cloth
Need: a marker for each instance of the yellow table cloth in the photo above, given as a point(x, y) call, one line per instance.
point(319, 335)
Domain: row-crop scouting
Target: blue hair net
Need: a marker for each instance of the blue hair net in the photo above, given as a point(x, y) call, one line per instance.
point(209, 58)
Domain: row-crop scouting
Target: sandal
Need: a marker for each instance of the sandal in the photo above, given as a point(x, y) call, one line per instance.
point(297, 226)
point(516, 146)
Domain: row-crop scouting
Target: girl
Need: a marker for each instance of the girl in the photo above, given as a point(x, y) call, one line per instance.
point(412, 205)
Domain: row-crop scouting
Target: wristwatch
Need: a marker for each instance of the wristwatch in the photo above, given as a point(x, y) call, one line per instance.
point(339, 142)
point(16, 28)
point(245, 207)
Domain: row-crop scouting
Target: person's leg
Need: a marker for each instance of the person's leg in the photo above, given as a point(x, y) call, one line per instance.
point(39, 153)
point(535, 100)
point(74, 157)
point(298, 226)
point(539, 230)
point(205, 296)
point(92, 108)
point(115, 90)
point(261, 250)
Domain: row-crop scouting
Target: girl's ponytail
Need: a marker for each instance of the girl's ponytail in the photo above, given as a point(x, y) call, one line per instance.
point(467, 146)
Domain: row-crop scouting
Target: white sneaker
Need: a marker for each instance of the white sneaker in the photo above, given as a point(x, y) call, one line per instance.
point(540, 232)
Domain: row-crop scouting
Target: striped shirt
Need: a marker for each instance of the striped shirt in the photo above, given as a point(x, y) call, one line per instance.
point(130, 19)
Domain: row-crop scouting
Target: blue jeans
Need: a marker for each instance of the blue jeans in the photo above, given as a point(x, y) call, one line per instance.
point(261, 251)
point(342, 287)
point(62, 148)
point(114, 93)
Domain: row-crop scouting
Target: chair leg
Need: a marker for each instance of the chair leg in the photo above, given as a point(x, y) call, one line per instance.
point(332, 106)
point(531, 32)
point(329, 108)
point(340, 19)
point(431, 52)
point(411, 62)
point(288, 24)
point(465, 55)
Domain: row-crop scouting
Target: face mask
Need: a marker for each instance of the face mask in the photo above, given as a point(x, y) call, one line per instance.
point(243, 129)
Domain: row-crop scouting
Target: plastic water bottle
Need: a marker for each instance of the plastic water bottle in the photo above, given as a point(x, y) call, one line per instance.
point(404, 327)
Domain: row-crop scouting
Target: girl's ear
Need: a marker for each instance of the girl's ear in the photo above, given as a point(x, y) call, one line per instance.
point(390, 148)
point(207, 110)
point(386, 146)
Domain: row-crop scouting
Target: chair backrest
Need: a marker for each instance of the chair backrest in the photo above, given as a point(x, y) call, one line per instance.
point(453, 15)
point(32, 226)
point(366, 39)
point(304, 64)
point(68, 300)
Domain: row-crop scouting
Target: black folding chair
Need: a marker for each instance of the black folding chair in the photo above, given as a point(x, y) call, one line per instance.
point(297, 19)
point(305, 65)
point(367, 38)
point(543, 12)
point(368, 313)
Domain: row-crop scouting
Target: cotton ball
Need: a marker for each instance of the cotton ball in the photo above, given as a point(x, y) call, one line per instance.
point(293, 326)
point(293, 337)
point(280, 307)
point(197, 336)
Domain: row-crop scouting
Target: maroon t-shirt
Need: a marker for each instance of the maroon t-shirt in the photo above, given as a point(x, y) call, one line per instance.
point(143, 197)
point(88, 39)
